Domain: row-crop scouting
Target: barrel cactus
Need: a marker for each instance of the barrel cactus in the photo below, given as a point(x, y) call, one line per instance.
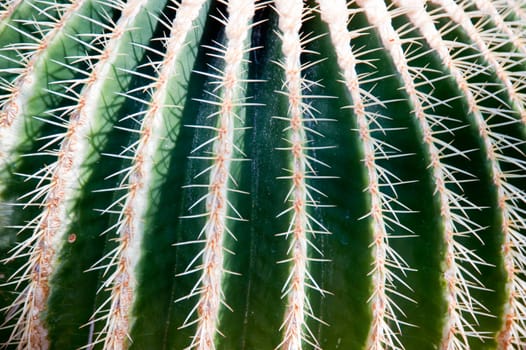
point(241, 174)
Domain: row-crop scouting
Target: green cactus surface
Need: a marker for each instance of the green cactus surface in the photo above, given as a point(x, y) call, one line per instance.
point(252, 175)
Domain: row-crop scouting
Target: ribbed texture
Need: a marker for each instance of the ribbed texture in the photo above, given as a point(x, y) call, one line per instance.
point(245, 175)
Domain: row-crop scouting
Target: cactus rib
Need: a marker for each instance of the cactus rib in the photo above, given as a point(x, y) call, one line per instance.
point(460, 300)
point(63, 175)
point(507, 195)
point(385, 258)
point(229, 87)
point(489, 9)
point(139, 176)
point(302, 224)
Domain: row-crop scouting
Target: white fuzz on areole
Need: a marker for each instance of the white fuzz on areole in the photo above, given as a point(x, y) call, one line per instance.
point(63, 176)
point(125, 257)
point(382, 333)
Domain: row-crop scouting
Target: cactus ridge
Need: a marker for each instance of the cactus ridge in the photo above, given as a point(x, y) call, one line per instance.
point(252, 174)
point(382, 212)
point(301, 175)
point(137, 181)
point(19, 91)
point(456, 222)
point(229, 100)
point(494, 153)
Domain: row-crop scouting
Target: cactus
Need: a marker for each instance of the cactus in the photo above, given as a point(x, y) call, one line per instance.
point(240, 174)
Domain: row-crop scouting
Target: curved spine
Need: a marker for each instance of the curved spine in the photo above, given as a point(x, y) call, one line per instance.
point(453, 92)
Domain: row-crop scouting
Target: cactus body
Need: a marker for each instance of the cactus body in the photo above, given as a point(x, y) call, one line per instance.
point(239, 174)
